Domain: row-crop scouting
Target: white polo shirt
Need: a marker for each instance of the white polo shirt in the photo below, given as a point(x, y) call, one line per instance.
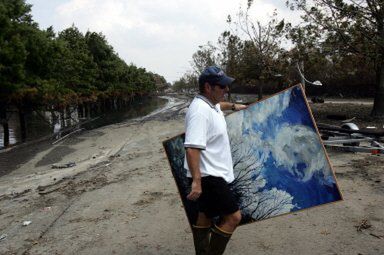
point(206, 129)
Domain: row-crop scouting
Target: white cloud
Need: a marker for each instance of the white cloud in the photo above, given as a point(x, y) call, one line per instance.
point(299, 144)
point(233, 121)
point(251, 152)
point(274, 105)
point(249, 156)
point(289, 145)
point(259, 113)
point(159, 35)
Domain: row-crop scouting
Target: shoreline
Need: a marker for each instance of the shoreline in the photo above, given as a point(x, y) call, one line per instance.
point(21, 157)
point(82, 122)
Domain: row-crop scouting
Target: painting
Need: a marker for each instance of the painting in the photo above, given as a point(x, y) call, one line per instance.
point(280, 164)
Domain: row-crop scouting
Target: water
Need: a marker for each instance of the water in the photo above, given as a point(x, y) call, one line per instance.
point(38, 127)
point(244, 98)
point(136, 109)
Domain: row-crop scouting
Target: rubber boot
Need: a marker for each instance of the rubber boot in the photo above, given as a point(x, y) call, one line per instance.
point(219, 240)
point(201, 237)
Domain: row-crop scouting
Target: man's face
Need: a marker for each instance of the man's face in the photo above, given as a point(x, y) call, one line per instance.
point(216, 93)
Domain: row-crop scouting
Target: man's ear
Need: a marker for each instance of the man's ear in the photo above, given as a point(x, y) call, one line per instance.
point(207, 87)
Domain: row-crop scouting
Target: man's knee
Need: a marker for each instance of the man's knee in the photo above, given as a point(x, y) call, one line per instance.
point(237, 217)
point(203, 220)
point(234, 218)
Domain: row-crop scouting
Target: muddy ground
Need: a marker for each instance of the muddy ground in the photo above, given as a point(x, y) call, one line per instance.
point(120, 198)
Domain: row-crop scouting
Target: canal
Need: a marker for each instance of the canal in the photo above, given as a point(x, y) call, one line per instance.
point(38, 126)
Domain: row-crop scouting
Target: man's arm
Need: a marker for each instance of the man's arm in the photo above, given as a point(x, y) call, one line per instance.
point(193, 160)
point(225, 106)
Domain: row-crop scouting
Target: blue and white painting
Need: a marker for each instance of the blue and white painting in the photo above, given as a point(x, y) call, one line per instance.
point(280, 164)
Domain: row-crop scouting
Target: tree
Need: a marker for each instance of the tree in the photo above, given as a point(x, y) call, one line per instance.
point(188, 82)
point(109, 66)
point(205, 56)
point(355, 27)
point(14, 18)
point(261, 49)
point(249, 50)
point(42, 71)
point(231, 48)
point(160, 82)
point(79, 71)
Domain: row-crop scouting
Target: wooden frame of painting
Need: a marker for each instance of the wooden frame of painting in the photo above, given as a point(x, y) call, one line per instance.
point(280, 164)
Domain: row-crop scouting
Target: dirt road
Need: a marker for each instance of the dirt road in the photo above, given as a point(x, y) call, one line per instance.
point(120, 198)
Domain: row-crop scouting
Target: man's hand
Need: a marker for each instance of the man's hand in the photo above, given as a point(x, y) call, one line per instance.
point(196, 190)
point(226, 106)
point(239, 107)
point(193, 159)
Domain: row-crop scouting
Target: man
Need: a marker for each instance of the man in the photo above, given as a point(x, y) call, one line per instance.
point(209, 161)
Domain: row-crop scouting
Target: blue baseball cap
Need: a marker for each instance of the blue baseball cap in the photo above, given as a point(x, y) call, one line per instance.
point(214, 75)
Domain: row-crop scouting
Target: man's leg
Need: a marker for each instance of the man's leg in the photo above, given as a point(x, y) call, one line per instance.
point(201, 234)
point(203, 220)
point(221, 234)
point(230, 222)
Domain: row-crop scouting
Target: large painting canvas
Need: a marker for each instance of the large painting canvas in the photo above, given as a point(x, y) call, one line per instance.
point(280, 164)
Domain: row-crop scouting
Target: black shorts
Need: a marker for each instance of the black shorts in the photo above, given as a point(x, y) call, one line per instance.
point(216, 198)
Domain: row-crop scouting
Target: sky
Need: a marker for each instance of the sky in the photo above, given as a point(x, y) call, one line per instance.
point(158, 35)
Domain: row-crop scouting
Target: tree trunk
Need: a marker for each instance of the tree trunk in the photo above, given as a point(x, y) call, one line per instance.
point(99, 107)
point(23, 126)
point(115, 104)
point(84, 109)
point(62, 118)
point(88, 105)
point(69, 116)
point(121, 103)
point(4, 122)
point(54, 117)
point(6, 134)
point(378, 104)
point(260, 95)
point(80, 111)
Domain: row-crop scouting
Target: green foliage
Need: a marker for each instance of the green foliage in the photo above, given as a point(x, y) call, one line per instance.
point(48, 70)
point(187, 83)
point(339, 42)
point(79, 70)
point(352, 30)
point(160, 82)
point(14, 15)
point(203, 57)
point(249, 51)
